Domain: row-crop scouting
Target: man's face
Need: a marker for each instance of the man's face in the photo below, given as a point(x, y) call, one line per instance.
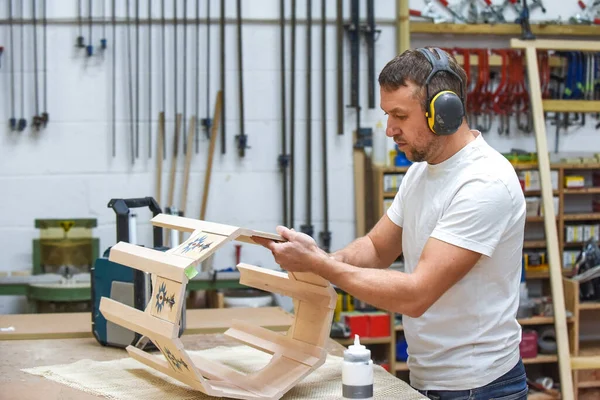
point(407, 124)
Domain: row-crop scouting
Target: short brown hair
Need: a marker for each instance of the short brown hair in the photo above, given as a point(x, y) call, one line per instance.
point(413, 66)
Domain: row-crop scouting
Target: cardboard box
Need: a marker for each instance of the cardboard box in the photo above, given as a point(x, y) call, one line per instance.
point(574, 181)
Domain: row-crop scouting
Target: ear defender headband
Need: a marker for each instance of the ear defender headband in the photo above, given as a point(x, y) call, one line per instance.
point(445, 110)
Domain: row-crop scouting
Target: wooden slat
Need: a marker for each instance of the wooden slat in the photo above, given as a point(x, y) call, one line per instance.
point(170, 266)
point(585, 362)
point(495, 60)
point(504, 29)
point(545, 44)
point(190, 225)
point(273, 342)
point(554, 258)
point(282, 373)
point(576, 106)
point(308, 318)
point(211, 152)
point(221, 372)
point(163, 366)
point(279, 282)
point(136, 320)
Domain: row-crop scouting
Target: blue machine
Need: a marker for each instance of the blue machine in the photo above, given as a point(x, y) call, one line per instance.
point(124, 284)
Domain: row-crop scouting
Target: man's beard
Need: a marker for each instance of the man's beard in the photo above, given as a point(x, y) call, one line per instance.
point(424, 154)
point(417, 155)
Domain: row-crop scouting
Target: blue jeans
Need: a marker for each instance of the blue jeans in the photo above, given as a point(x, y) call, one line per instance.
point(510, 386)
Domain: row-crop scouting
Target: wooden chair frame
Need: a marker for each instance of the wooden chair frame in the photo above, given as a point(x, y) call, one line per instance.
point(295, 354)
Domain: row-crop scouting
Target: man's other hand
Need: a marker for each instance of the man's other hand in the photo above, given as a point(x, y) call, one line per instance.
point(298, 253)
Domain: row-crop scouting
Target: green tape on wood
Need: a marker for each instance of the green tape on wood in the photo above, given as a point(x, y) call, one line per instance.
point(191, 272)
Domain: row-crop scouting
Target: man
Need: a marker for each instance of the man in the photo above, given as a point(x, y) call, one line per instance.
point(458, 219)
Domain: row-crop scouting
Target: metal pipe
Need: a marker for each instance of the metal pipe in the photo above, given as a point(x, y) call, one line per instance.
point(325, 234)
point(283, 159)
point(150, 81)
point(13, 119)
point(307, 227)
point(293, 114)
point(339, 30)
point(223, 92)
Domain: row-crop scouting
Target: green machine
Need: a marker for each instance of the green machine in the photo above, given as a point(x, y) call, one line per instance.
point(64, 252)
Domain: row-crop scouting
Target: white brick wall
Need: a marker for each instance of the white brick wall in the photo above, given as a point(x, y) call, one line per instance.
point(67, 170)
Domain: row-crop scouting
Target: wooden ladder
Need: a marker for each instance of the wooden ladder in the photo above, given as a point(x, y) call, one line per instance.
point(567, 364)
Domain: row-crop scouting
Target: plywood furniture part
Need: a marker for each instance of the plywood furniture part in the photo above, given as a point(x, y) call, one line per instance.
point(295, 353)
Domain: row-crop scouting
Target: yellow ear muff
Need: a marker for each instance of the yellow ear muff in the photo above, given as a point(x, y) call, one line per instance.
point(445, 113)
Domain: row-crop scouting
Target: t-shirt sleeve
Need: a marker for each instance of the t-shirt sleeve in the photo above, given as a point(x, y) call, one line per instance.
point(477, 216)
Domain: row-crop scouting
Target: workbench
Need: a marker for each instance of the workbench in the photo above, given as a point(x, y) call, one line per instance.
point(65, 339)
point(78, 325)
point(16, 355)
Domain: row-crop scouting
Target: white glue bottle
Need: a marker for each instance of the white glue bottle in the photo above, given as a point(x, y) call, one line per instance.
point(357, 372)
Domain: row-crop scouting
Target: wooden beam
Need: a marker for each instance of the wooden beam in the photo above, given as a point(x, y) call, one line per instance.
point(403, 26)
point(587, 362)
point(554, 258)
point(576, 106)
point(504, 29)
point(495, 60)
point(545, 44)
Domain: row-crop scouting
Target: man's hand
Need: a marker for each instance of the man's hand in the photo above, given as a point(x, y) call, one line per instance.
point(299, 253)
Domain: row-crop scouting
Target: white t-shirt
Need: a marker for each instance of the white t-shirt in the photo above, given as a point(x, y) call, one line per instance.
point(470, 336)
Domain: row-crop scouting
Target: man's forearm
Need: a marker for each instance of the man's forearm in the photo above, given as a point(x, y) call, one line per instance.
point(382, 288)
point(361, 252)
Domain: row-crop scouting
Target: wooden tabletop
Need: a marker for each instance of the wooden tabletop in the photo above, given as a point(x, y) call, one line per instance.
point(19, 354)
point(78, 325)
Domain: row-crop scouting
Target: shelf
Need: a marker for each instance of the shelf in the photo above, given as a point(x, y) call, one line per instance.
point(401, 366)
point(581, 217)
point(538, 192)
point(365, 340)
point(503, 29)
point(556, 166)
point(539, 321)
point(532, 244)
point(575, 166)
point(541, 359)
point(588, 384)
point(583, 190)
point(589, 305)
point(564, 167)
point(545, 274)
point(536, 218)
point(393, 170)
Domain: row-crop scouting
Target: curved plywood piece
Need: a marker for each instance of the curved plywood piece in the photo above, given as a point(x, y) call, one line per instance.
point(295, 354)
